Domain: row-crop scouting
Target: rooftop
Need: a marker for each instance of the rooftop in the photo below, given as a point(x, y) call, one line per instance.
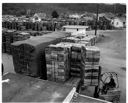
point(75, 26)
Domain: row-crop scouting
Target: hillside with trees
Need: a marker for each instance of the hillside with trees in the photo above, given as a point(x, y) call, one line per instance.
point(48, 8)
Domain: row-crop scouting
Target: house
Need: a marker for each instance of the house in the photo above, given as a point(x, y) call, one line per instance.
point(74, 16)
point(119, 22)
point(104, 20)
point(88, 16)
point(108, 16)
point(74, 28)
point(39, 17)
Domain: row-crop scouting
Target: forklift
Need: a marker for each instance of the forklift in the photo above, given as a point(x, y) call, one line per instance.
point(108, 87)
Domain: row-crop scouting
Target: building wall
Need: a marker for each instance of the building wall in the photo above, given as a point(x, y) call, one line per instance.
point(73, 30)
point(117, 23)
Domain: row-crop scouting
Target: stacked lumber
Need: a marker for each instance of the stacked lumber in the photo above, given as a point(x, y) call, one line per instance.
point(29, 55)
point(83, 39)
point(90, 39)
point(57, 62)
point(10, 36)
point(71, 40)
point(18, 36)
point(77, 66)
point(3, 40)
point(91, 61)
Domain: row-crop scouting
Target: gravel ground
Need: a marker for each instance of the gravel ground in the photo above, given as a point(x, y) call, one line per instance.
point(113, 56)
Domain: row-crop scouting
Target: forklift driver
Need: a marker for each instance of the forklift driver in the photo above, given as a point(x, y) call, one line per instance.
point(109, 85)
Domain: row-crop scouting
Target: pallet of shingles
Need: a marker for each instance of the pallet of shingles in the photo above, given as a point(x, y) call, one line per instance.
point(77, 65)
point(3, 47)
point(29, 55)
point(90, 39)
point(9, 39)
point(11, 36)
point(57, 62)
point(71, 39)
point(91, 61)
point(76, 59)
point(18, 36)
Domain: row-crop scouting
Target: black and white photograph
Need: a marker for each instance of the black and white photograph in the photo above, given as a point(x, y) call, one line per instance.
point(63, 52)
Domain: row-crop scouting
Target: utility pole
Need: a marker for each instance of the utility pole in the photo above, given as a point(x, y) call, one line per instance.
point(96, 19)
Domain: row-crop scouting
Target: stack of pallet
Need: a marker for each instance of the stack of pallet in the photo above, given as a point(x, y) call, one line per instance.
point(8, 40)
point(10, 36)
point(91, 62)
point(77, 65)
point(71, 40)
point(58, 62)
point(90, 39)
point(29, 55)
point(18, 36)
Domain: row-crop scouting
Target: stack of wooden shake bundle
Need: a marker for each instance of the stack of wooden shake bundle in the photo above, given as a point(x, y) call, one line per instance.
point(10, 36)
point(57, 62)
point(29, 55)
point(90, 39)
point(18, 36)
point(8, 40)
point(91, 62)
point(3, 41)
point(77, 65)
point(71, 40)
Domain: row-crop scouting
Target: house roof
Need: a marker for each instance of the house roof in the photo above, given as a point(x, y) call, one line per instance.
point(41, 15)
point(75, 27)
point(108, 16)
point(122, 19)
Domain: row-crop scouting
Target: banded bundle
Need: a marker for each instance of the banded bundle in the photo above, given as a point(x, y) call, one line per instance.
point(18, 36)
point(91, 77)
point(57, 62)
point(77, 65)
point(71, 40)
point(10, 36)
point(91, 39)
point(91, 61)
point(29, 55)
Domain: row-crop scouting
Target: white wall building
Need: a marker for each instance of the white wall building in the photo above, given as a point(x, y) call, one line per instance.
point(118, 22)
point(75, 28)
point(38, 17)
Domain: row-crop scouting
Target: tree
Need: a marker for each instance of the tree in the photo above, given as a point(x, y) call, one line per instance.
point(55, 14)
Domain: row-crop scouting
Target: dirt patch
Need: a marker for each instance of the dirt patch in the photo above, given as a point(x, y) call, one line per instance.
point(113, 56)
point(123, 68)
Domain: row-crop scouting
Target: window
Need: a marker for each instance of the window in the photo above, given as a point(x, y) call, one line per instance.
point(116, 23)
point(36, 18)
point(77, 29)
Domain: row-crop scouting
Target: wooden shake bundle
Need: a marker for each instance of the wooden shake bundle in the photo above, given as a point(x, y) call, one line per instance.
point(29, 55)
point(91, 61)
point(71, 40)
point(57, 62)
point(91, 39)
point(91, 77)
point(18, 36)
point(77, 65)
point(10, 36)
point(88, 41)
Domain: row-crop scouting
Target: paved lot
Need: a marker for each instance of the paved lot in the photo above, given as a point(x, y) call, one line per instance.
point(113, 56)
